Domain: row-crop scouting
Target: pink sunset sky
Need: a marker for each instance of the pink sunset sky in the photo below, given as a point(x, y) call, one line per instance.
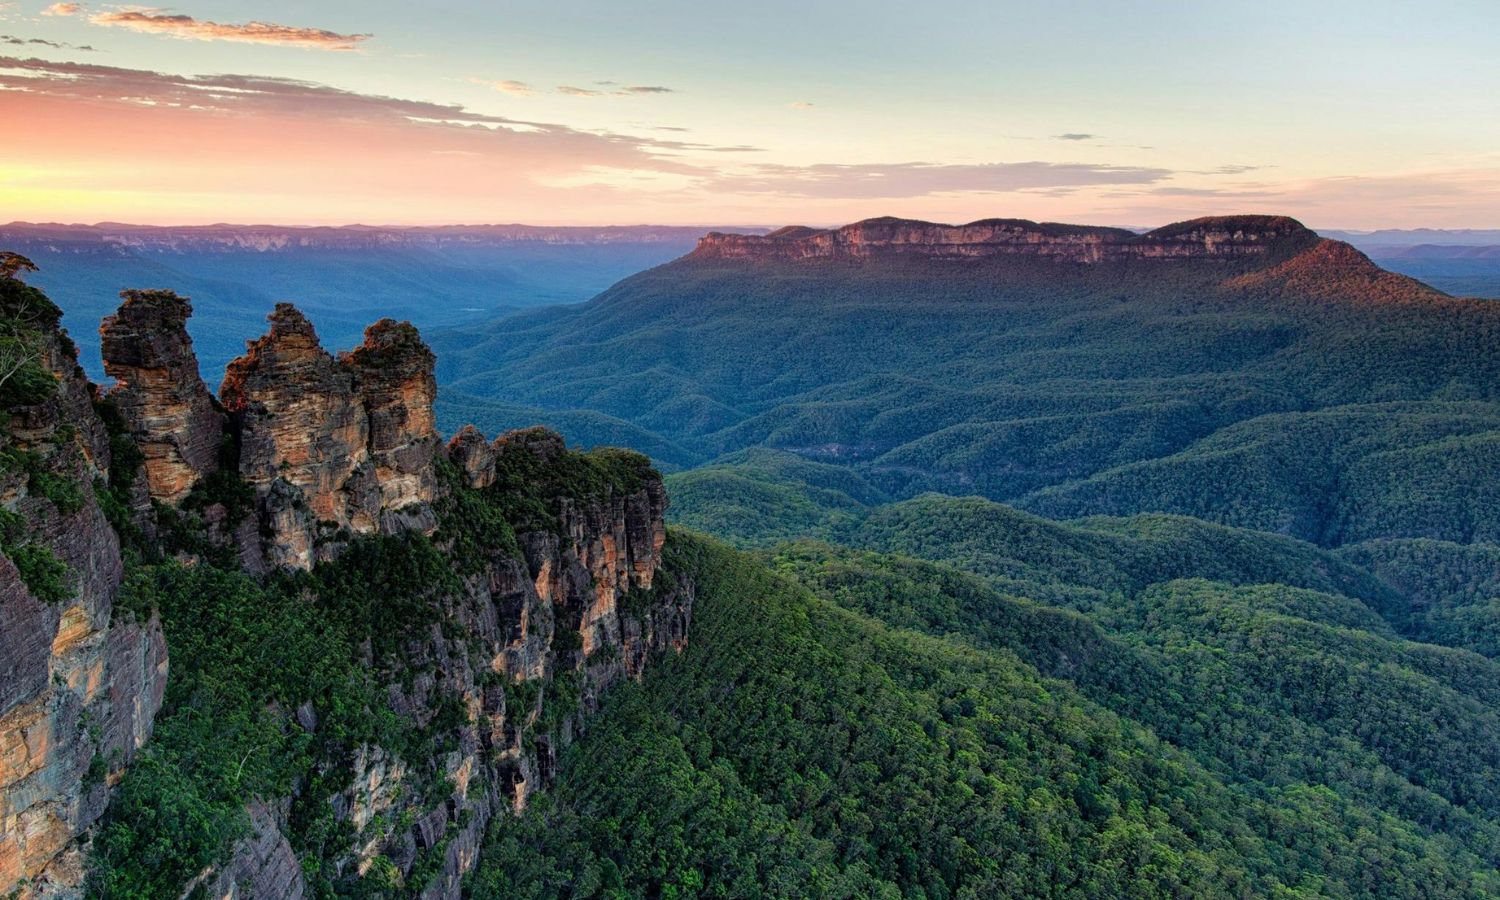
point(1345, 115)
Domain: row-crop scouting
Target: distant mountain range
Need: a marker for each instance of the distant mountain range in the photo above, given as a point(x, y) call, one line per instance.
point(1063, 561)
point(1463, 262)
point(270, 238)
point(458, 275)
point(1070, 371)
point(342, 277)
point(1408, 237)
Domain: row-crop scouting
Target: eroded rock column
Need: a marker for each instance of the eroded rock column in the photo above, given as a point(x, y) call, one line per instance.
point(160, 394)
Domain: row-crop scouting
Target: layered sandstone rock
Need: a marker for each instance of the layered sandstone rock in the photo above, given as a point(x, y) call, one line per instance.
point(574, 605)
point(333, 445)
point(1221, 238)
point(394, 374)
point(472, 454)
point(330, 448)
point(560, 611)
point(304, 438)
point(79, 685)
point(166, 407)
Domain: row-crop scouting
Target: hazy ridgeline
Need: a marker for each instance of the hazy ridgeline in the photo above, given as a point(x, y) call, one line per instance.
point(1006, 577)
point(1269, 672)
point(343, 278)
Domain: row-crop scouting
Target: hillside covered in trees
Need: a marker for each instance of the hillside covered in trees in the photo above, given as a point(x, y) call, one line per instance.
point(1246, 649)
point(1301, 389)
point(1162, 567)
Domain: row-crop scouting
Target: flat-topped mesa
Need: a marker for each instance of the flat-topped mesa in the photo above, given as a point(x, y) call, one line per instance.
point(1210, 238)
point(317, 433)
point(166, 406)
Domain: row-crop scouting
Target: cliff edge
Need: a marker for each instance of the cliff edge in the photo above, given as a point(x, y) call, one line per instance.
point(475, 598)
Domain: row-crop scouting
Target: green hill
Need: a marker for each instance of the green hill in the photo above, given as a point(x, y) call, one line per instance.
point(799, 748)
point(1304, 391)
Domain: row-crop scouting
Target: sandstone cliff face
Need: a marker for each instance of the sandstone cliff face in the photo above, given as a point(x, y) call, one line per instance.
point(394, 371)
point(530, 639)
point(158, 391)
point(555, 633)
point(304, 438)
point(329, 444)
point(79, 686)
point(522, 644)
point(1229, 237)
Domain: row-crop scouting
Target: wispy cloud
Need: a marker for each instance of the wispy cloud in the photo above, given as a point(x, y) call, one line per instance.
point(267, 98)
point(329, 152)
point(506, 85)
point(155, 21)
point(15, 41)
point(610, 90)
point(1229, 170)
point(918, 179)
point(63, 9)
point(600, 88)
point(1076, 136)
point(800, 104)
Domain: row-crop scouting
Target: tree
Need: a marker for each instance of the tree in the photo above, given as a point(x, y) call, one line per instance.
point(12, 264)
point(19, 334)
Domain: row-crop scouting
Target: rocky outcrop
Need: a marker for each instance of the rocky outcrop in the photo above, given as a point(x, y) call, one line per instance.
point(79, 684)
point(530, 643)
point(474, 457)
point(394, 372)
point(304, 439)
point(167, 409)
point(1220, 238)
point(557, 626)
point(333, 445)
point(263, 864)
point(561, 603)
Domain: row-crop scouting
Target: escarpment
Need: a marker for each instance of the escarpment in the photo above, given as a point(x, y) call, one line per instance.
point(80, 682)
point(478, 598)
point(1216, 238)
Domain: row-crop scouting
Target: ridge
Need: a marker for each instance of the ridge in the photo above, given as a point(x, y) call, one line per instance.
point(1215, 237)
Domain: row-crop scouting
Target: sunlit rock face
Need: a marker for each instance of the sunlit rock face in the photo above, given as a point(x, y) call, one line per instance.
point(166, 407)
point(333, 445)
point(1225, 237)
point(79, 685)
point(304, 438)
point(394, 373)
point(472, 454)
point(326, 448)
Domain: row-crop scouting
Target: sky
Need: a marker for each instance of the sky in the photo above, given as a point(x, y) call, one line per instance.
point(1355, 115)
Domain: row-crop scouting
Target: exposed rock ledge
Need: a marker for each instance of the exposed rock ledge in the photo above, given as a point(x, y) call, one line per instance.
point(1224, 237)
point(303, 451)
